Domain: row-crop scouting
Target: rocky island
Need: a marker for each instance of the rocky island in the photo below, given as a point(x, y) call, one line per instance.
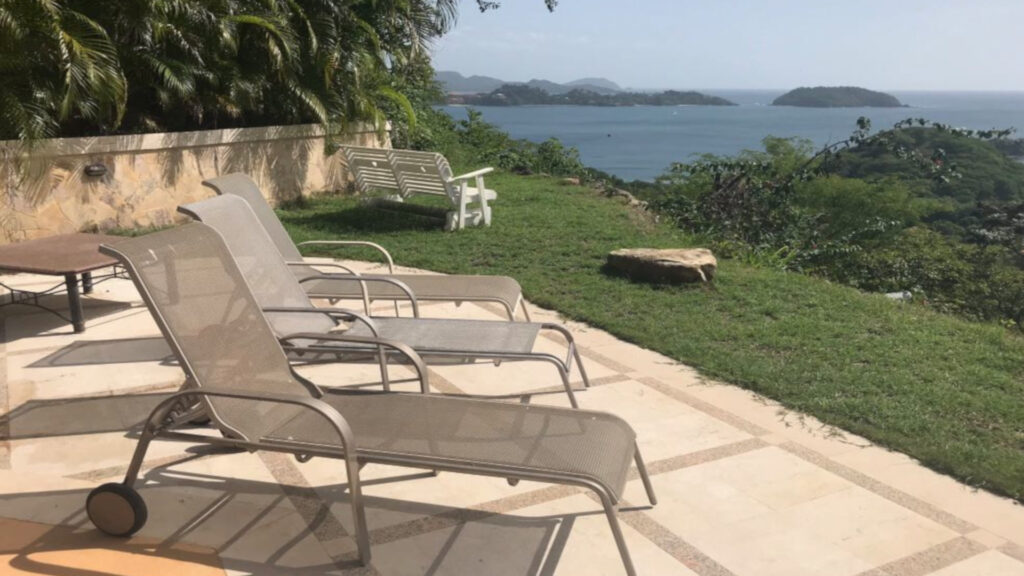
point(837, 97)
point(526, 95)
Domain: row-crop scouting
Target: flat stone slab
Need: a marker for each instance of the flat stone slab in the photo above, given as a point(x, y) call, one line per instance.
point(673, 265)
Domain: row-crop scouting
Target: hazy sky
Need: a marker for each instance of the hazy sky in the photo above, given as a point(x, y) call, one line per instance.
point(880, 44)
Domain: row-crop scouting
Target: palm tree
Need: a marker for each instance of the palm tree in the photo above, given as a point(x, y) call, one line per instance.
point(59, 68)
point(74, 67)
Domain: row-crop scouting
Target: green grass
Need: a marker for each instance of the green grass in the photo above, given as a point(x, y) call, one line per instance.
point(945, 391)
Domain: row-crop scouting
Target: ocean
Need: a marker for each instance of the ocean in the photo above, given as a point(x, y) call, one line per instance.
point(639, 143)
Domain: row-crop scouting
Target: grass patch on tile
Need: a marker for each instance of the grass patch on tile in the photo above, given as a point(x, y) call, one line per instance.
point(943, 390)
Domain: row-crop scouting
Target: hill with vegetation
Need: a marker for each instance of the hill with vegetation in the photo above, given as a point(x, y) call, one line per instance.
point(985, 172)
point(455, 83)
point(837, 97)
point(597, 82)
point(525, 95)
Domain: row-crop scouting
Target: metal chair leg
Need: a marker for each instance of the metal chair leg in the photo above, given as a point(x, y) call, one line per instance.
point(620, 540)
point(579, 365)
point(383, 358)
point(568, 387)
point(644, 477)
point(132, 474)
point(362, 533)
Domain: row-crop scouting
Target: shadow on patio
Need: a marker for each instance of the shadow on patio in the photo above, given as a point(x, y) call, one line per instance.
point(201, 523)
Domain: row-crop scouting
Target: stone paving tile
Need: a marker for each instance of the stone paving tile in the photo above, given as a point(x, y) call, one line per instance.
point(32, 548)
point(744, 487)
point(989, 563)
point(766, 510)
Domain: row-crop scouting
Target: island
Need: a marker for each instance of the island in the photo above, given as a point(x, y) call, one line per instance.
point(526, 95)
point(837, 97)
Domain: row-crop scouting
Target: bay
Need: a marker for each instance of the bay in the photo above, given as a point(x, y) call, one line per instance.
point(640, 142)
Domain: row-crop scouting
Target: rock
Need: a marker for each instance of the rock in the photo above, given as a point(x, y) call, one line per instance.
point(630, 199)
point(901, 296)
point(570, 181)
point(674, 265)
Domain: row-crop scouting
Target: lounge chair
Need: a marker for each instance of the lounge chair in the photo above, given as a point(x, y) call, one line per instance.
point(426, 287)
point(281, 295)
point(211, 320)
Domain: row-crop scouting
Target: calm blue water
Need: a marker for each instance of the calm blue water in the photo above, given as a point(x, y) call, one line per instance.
point(640, 142)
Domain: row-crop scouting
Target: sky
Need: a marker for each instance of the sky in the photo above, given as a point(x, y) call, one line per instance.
point(769, 44)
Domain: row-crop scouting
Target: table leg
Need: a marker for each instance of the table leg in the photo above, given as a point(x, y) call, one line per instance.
point(87, 283)
point(75, 302)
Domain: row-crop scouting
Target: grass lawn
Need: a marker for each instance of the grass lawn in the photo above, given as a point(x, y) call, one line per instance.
point(948, 392)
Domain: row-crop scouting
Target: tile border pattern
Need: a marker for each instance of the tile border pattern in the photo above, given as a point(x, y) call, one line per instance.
point(327, 529)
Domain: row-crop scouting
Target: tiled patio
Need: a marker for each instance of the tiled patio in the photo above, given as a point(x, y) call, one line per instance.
point(745, 488)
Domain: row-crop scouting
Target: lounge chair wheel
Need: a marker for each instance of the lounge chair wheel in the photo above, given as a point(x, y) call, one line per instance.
point(513, 481)
point(303, 458)
point(116, 509)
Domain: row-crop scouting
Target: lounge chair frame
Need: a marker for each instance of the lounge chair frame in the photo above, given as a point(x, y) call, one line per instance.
point(162, 423)
point(235, 219)
point(241, 185)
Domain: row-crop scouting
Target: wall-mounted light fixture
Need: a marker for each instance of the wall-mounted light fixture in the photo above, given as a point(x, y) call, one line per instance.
point(96, 169)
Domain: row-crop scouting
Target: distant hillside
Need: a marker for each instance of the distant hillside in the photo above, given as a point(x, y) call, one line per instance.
point(596, 82)
point(455, 83)
point(459, 84)
point(556, 88)
point(527, 95)
point(837, 97)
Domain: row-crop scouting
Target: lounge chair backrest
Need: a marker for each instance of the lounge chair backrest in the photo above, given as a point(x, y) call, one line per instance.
point(371, 169)
point(268, 276)
point(421, 172)
point(201, 303)
point(241, 185)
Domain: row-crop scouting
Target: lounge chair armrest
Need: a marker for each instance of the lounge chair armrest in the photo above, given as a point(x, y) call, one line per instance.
point(332, 313)
point(470, 175)
point(323, 408)
point(403, 349)
point(378, 247)
point(316, 265)
point(381, 279)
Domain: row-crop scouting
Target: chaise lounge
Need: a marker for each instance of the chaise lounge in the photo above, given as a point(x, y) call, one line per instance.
point(426, 287)
point(226, 347)
point(290, 310)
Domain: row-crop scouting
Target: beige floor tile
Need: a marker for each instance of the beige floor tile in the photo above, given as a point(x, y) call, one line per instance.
point(664, 426)
point(567, 536)
point(768, 508)
point(75, 455)
point(31, 548)
point(989, 563)
point(993, 513)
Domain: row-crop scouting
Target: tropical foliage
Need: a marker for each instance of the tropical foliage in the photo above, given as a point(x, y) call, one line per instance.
point(75, 67)
point(922, 207)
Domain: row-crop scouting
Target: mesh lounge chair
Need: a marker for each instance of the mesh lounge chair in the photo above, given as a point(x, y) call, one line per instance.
point(426, 287)
point(281, 295)
point(212, 322)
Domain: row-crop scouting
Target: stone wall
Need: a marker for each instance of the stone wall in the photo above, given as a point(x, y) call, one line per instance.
point(147, 176)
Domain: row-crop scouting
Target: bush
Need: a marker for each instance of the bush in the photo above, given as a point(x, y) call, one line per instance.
point(475, 141)
point(890, 228)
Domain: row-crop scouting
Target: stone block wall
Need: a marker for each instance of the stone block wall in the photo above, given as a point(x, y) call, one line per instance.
point(147, 176)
